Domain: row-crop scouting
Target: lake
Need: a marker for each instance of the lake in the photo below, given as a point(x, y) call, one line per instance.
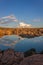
point(21, 44)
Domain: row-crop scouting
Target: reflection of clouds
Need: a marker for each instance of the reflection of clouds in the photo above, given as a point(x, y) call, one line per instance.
point(9, 42)
point(38, 40)
point(2, 41)
point(11, 37)
point(21, 44)
point(12, 44)
point(35, 40)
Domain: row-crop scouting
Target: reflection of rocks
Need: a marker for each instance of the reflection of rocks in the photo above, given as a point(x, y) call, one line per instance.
point(10, 57)
point(27, 36)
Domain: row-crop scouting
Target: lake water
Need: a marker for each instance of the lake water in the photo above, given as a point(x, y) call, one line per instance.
point(21, 44)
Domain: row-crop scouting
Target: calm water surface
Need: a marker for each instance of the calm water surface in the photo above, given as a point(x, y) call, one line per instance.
point(21, 44)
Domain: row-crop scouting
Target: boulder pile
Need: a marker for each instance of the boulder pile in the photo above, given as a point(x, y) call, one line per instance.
point(11, 57)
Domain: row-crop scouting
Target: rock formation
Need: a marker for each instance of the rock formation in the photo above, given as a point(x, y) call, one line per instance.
point(10, 57)
point(33, 60)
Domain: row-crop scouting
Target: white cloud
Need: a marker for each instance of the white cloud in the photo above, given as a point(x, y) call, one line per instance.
point(36, 20)
point(22, 24)
point(6, 19)
point(11, 21)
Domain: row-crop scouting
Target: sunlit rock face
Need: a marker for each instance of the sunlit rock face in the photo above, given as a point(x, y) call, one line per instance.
point(33, 60)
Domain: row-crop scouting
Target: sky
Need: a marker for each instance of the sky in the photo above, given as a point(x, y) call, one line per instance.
point(27, 11)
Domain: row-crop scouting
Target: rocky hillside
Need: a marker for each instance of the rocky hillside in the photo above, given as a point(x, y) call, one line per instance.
point(10, 57)
point(33, 60)
point(23, 32)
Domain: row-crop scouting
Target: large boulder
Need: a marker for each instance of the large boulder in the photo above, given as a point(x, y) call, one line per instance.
point(0, 54)
point(33, 60)
point(8, 57)
point(19, 56)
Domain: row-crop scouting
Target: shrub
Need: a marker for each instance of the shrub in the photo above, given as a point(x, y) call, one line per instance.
point(30, 52)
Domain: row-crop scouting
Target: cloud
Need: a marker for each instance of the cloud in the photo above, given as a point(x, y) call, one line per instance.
point(11, 21)
point(8, 19)
point(36, 20)
point(22, 24)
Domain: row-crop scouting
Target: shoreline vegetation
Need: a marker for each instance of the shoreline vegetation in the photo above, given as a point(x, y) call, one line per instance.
point(23, 32)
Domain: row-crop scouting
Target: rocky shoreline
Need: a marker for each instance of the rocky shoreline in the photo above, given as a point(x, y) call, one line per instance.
point(23, 32)
point(11, 57)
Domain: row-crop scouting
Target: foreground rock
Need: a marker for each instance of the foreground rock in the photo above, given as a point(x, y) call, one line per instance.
point(10, 57)
point(33, 60)
point(0, 54)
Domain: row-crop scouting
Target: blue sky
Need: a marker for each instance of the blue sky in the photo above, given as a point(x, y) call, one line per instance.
point(28, 11)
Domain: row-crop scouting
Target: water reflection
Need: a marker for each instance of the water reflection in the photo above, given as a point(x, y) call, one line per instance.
point(26, 44)
point(21, 44)
point(9, 41)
